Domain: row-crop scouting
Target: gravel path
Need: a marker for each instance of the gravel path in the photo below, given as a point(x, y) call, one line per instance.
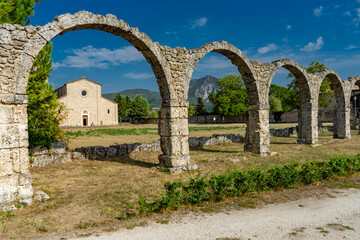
point(325, 218)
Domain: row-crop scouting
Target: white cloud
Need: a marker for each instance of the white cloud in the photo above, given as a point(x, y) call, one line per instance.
point(356, 20)
point(347, 13)
point(268, 48)
point(138, 75)
point(288, 27)
point(318, 11)
point(213, 62)
point(311, 47)
point(199, 22)
point(90, 57)
point(351, 47)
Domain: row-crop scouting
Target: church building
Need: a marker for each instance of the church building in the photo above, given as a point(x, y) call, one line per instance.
point(86, 106)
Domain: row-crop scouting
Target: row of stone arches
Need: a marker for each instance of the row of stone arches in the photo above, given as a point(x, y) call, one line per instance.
point(173, 69)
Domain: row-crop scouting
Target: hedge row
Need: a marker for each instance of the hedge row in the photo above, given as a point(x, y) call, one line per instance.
point(236, 183)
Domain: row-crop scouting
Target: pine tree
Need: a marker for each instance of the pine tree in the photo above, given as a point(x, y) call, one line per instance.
point(139, 108)
point(44, 111)
point(200, 106)
point(123, 105)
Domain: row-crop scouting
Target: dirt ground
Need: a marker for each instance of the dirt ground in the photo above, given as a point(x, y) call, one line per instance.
point(335, 216)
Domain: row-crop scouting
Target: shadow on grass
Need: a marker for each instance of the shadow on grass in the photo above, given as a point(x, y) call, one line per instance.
point(283, 143)
point(202, 149)
point(126, 159)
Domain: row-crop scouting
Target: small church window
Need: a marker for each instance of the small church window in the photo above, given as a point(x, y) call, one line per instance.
point(108, 111)
point(83, 93)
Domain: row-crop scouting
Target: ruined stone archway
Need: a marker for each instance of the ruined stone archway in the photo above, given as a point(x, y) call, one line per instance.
point(257, 123)
point(307, 119)
point(173, 68)
point(19, 46)
point(341, 88)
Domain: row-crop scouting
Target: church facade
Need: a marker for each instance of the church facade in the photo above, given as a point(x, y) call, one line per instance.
point(86, 106)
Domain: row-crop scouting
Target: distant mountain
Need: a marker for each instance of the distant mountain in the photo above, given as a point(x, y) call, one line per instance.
point(201, 87)
point(153, 98)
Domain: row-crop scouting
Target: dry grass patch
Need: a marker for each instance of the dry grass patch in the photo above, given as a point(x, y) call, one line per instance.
point(103, 194)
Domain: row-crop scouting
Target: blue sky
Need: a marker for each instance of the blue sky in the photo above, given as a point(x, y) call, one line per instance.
point(304, 31)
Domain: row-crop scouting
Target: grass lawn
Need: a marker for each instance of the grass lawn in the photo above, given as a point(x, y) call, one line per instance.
point(101, 194)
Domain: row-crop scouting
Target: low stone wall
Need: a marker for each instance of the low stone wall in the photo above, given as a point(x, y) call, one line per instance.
point(59, 153)
point(285, 132)
point(292, 131)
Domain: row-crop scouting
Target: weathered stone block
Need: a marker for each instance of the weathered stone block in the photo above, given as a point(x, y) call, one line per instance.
point(174, 112)
point(173, 127)
point(6, 162)
point(13, 135)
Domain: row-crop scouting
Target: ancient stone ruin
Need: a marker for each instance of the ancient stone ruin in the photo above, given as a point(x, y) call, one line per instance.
point(173, 68)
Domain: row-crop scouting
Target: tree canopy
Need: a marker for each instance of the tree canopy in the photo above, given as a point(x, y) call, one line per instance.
point(139, 108)
point(123, 105)
point(326, 92)
point(231, 98)
point(200, 107)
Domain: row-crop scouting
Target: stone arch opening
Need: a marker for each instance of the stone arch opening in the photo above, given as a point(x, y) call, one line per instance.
point(340, 111)
point(89, 21)
point(255, 126)
point(305, 130)
point(237, 58)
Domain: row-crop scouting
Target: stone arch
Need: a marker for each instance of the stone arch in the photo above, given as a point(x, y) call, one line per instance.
point(336, 84)
point(341, 125)
point(300, 75)
point(307, 116)
point(109, 23)
point(236, 57)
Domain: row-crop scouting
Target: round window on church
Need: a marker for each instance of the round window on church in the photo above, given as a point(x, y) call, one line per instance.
point(83, 93)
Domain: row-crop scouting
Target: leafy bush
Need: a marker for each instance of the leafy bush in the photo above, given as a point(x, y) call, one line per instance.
point(236, 183)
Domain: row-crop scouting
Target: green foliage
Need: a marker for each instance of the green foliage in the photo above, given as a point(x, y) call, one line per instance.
point(231, 98)
point(200, 107)
point(275, 104)
point(284, 95)
point(123, 105)
point(16, 11)
point(154, 114)
point(191, 110)
point(139, 108)
point(6, 8)
point(326, 92)
point(236, 183)
point(44, 111)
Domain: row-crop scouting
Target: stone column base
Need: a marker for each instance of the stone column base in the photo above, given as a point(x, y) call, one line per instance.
point(174, 161)
point(16, 188)
point(306, 141)
point(263, 150)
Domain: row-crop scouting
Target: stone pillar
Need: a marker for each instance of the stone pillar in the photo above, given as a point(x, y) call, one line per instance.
point(173, 130)
point(15, 179)
point(257, 131)
point(342, 123)
point(308, 124)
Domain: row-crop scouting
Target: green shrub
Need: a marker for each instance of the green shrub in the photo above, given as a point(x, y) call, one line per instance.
point(236, 183)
